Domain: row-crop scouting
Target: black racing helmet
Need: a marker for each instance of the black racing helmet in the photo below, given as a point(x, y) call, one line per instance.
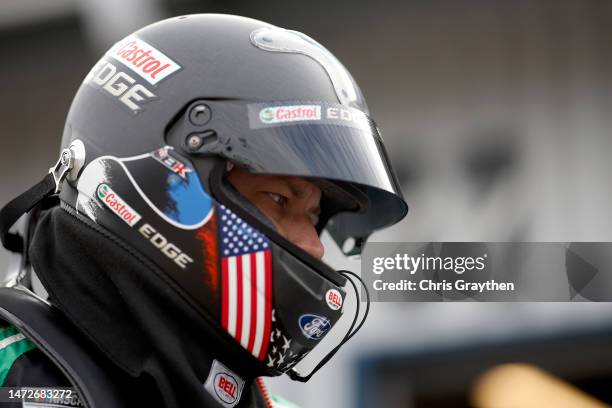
point(161, 117)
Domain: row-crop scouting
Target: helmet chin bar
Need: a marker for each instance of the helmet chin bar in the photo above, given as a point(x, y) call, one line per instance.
point(223, 190)
point(296, 376)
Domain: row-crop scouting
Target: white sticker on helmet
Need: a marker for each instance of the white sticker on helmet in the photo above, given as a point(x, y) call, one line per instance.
point(117, 205)
point(294, 113)
point(333, 297)
point(224, 385)
point(144, 59)
point(271, 114)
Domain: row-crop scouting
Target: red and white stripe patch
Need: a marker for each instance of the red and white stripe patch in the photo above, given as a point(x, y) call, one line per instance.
point(247, 299)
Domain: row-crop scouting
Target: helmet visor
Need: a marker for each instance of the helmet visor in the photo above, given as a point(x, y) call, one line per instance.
point(319, 140)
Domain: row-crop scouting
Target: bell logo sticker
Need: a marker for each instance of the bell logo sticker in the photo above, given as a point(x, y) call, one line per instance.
point(333, 299)
point(224, 385)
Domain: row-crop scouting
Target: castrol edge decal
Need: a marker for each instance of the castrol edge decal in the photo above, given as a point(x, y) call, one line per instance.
point(143, 61)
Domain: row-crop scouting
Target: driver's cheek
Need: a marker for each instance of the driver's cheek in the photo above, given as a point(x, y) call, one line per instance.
point(300, 231)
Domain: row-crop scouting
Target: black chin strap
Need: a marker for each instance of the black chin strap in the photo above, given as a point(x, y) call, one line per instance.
point(294, 375)
point(20, 205)
point(51, 184)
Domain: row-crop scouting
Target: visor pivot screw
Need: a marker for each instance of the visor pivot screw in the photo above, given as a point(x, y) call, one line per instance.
point(194, 142)
point(199, 115)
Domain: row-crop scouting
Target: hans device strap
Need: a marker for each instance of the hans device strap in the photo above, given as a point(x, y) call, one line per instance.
point(57, 338)
point(68, 166)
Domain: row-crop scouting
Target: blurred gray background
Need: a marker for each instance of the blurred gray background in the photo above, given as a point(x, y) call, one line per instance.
point(496, 115)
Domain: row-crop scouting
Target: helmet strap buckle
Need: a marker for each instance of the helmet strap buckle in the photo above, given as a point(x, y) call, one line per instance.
point(69, 164)
point(64, 164)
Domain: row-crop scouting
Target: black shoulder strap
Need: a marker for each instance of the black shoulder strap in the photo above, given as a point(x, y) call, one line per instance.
point(57, 337)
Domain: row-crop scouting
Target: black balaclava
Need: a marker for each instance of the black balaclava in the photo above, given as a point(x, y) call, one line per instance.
point(132, 311)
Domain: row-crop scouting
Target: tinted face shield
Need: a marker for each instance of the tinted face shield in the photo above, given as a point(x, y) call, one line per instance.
point(338, 146)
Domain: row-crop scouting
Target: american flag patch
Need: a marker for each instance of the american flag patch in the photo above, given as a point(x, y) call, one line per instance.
point(246, 273)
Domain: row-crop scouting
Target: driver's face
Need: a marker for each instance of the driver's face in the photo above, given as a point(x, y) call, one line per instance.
point(291, 203)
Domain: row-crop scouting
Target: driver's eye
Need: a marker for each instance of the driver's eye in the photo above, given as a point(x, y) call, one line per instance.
point(278, 199)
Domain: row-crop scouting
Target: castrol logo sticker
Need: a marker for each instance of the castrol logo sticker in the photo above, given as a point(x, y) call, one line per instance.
point(291, 113)
point(117, 205)
point(144, 59)
point(295, 113)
